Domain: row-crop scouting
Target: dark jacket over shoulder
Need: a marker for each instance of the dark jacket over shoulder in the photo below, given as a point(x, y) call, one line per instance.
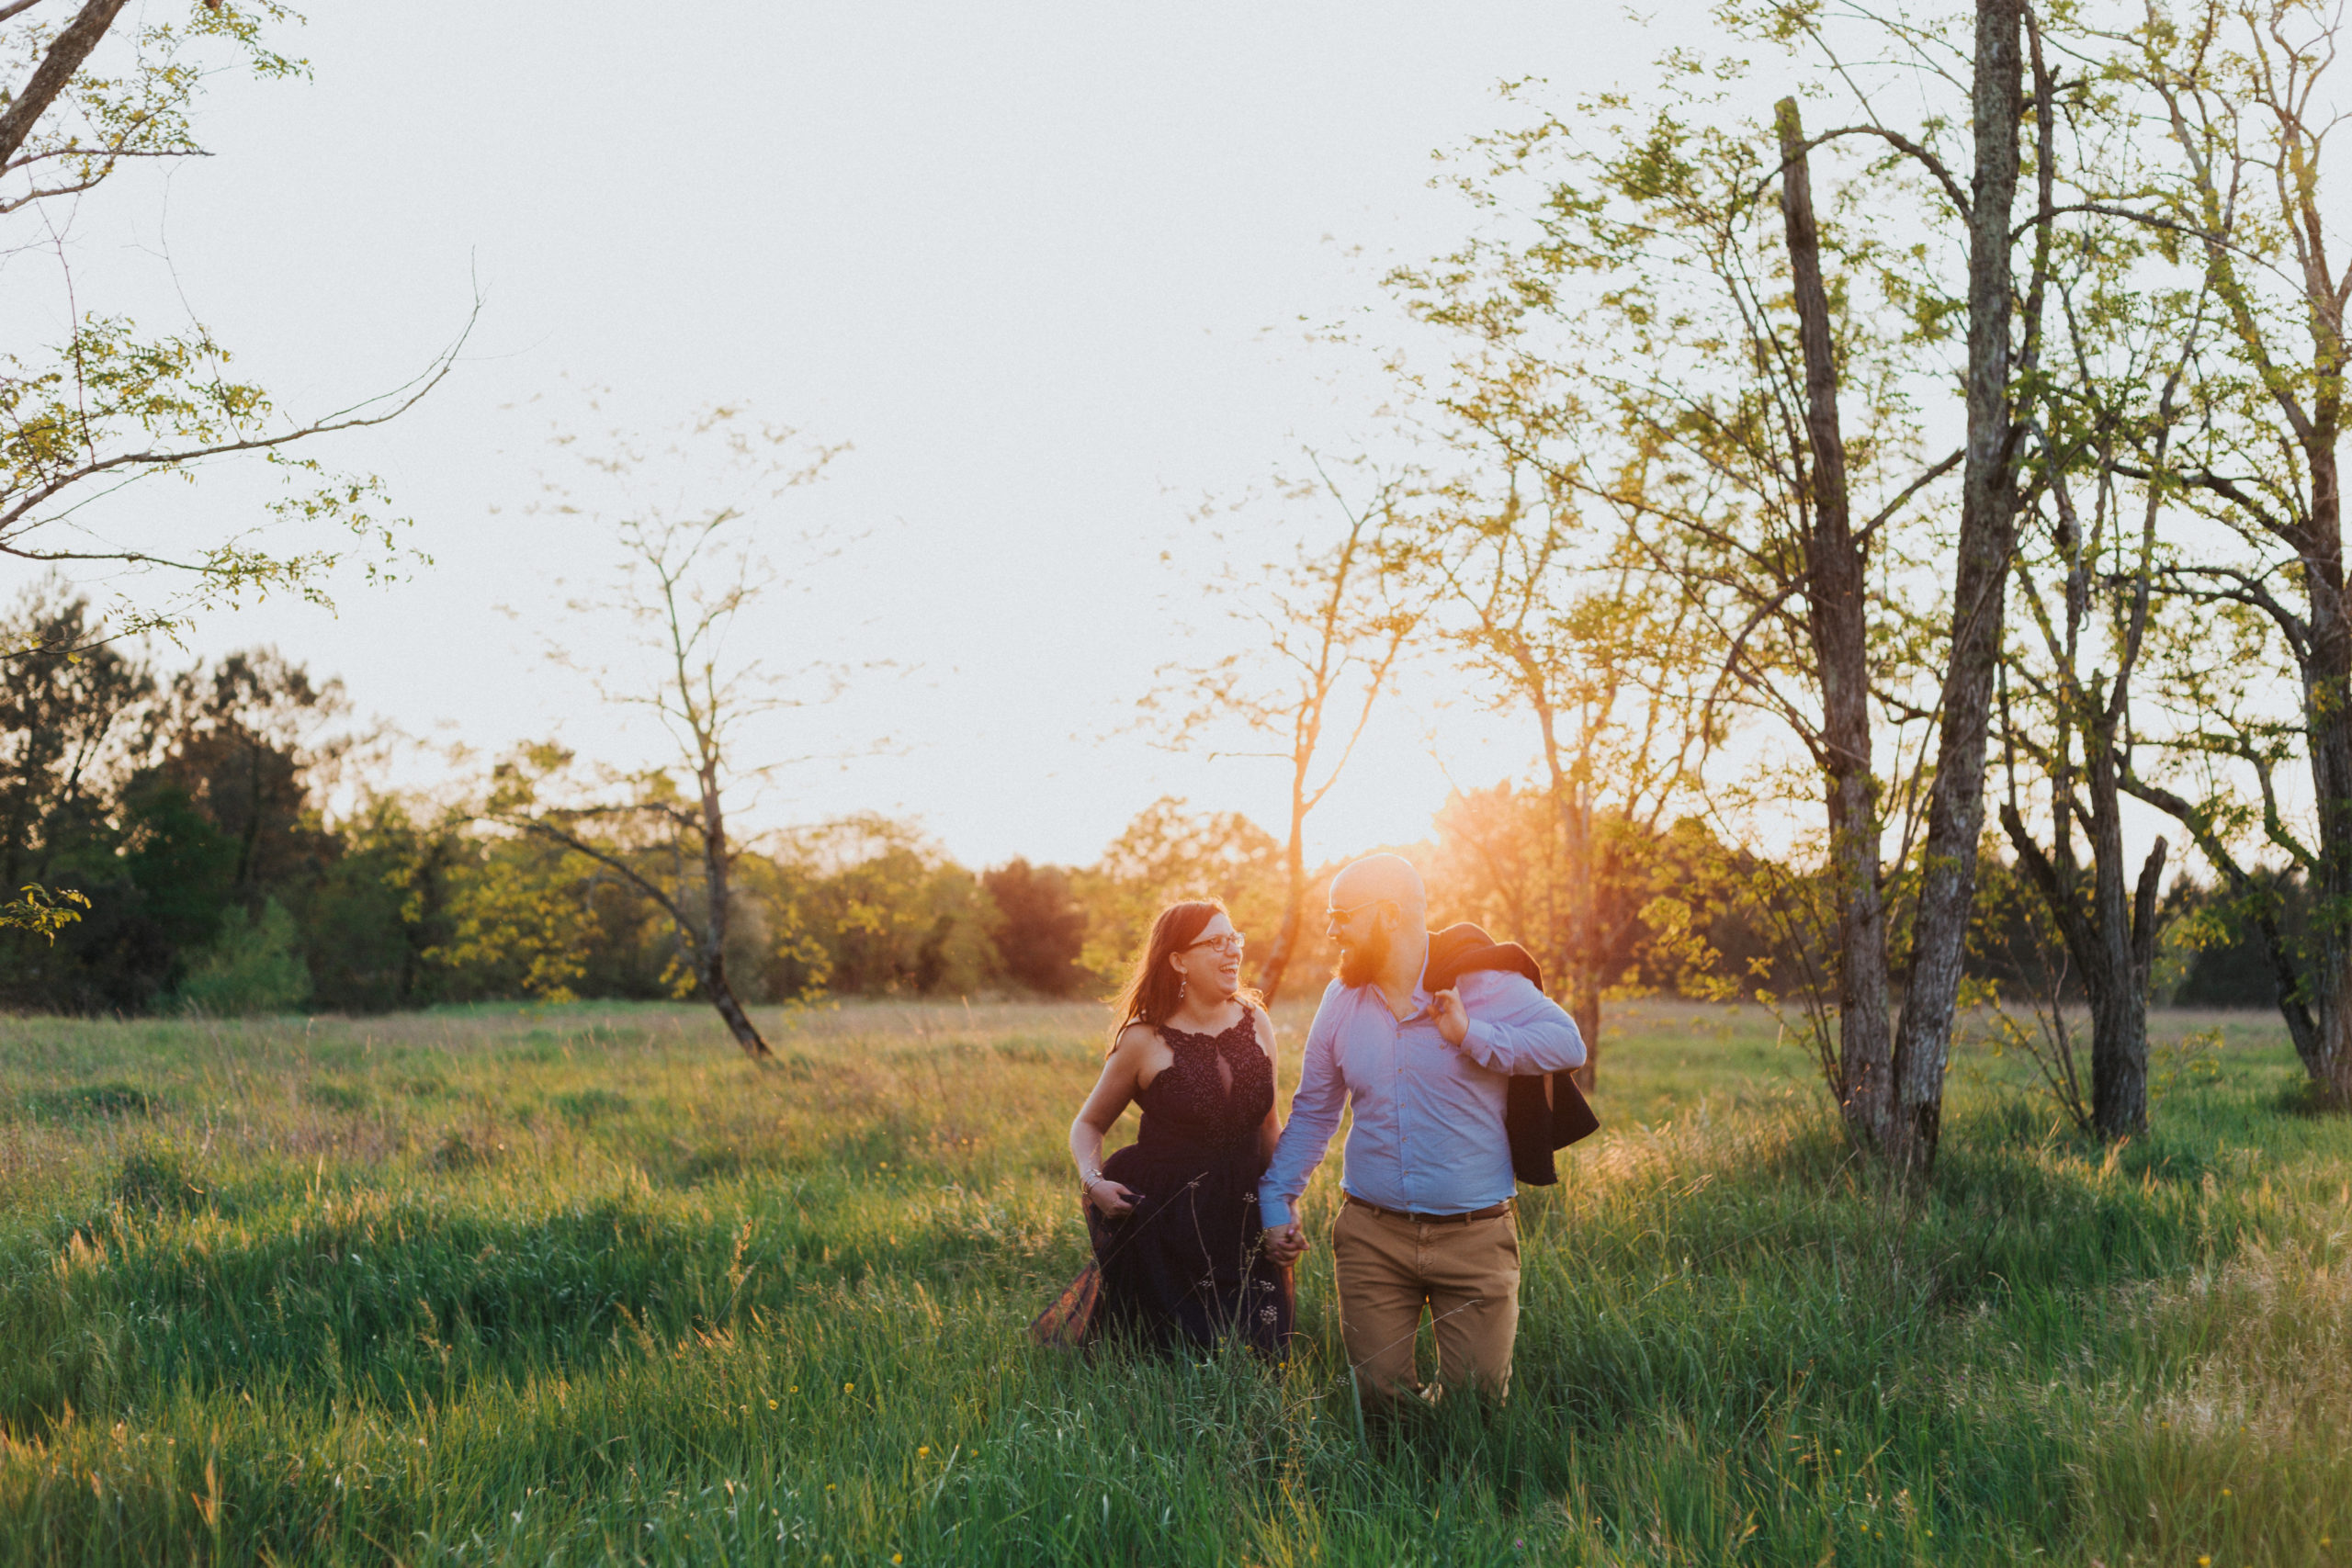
point(1542, 1111)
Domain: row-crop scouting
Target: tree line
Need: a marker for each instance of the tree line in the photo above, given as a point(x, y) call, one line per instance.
point(191, 813)
point(188, 813)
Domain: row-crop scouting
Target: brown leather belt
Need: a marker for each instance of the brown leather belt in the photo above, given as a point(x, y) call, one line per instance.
point(1491, 1211)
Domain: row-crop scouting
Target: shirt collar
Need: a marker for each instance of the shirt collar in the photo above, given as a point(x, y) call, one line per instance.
point(1370, 994)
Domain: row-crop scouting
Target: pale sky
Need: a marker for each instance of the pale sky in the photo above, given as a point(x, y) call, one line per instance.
point(1046, 267)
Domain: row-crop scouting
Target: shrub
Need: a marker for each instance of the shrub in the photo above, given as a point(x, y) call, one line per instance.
point(251, 967)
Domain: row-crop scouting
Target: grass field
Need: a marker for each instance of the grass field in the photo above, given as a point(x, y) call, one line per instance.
point(577, 1285)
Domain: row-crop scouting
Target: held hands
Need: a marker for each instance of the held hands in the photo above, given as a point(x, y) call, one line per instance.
point(1286, 1244)
point(1452, 1018)
point(1114, 1200)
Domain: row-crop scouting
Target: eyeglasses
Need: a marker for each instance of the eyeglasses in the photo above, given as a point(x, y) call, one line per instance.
point(1232, 941)
point(1333, 917)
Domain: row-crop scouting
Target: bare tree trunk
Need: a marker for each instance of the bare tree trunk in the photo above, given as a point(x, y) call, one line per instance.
point(2120, 998)
point(1836, 608)
point(1578, 981)
point(2129, 1103)
point(2286, 981)
point(1277, 962)
point(712, 970)
point(1585, 1008)
point(2327, 707)
point(1584, 931)
point(1980, 580)
point(2112, 943)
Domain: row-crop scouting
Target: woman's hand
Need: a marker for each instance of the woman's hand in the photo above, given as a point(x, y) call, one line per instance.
point(1114, 1200)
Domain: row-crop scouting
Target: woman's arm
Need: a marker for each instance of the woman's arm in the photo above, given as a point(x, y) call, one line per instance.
point(1101, 1112)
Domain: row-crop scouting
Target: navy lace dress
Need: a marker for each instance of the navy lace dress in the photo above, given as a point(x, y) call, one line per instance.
point(1185, 1267)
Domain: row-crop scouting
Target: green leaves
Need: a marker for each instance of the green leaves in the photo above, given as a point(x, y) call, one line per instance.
point(42, 912)
point(114, 404)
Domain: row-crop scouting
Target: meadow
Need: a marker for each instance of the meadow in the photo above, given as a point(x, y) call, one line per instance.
point(575, 1284)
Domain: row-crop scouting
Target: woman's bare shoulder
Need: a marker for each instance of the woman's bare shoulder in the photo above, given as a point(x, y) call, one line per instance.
point(1265, 1026)
point(1135, 1039)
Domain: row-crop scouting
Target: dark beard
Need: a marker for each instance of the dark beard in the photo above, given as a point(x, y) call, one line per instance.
point(1360, 965)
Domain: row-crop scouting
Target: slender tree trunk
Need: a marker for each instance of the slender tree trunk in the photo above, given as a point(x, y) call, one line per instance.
point(2112, 943)
point(1584, 932)
point(1980, 582)
point(1836, 606)
point(1277, 963)
point(2286, 981)
point(2132, 1095)
point(2119, 1010)
point(712, 965)
point(715, 985)
point(1586, 1009)
point(1578, 980)
point(2120, 1003)
point(2327, 707)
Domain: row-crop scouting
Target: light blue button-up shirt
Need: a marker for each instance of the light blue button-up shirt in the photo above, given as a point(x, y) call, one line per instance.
point(1428, 1137)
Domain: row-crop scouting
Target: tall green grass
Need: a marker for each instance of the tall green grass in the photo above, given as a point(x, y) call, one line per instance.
point(577, 1285)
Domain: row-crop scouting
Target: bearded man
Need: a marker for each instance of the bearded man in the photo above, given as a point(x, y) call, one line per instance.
point(1428, 1224)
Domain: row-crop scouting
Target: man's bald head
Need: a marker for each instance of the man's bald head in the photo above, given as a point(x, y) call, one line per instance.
point(1380, 918)
point(1389, 877)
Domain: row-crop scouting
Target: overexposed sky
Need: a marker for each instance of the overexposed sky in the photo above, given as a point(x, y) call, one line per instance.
point(1047, 267)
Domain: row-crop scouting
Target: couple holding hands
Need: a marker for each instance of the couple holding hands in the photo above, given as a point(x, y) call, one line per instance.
point(1455, 1066)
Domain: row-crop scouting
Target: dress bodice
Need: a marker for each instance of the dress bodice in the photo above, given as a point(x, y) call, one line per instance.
point(1190, 1104)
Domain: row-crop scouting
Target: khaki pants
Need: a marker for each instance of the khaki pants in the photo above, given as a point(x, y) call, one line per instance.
point(1465, 1276)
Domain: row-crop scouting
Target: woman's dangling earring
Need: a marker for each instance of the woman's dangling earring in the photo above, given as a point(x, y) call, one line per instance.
point(1181, 984)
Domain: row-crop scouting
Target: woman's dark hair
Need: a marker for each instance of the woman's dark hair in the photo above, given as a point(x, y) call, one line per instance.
point(1153, 991)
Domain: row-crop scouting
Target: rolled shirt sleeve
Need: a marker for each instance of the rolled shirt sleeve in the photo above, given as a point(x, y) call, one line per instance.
point(1314, 1117)
point(1514, 1029)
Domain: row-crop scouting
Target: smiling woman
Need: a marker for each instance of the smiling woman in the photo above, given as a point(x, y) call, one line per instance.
point(1174, 1217)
